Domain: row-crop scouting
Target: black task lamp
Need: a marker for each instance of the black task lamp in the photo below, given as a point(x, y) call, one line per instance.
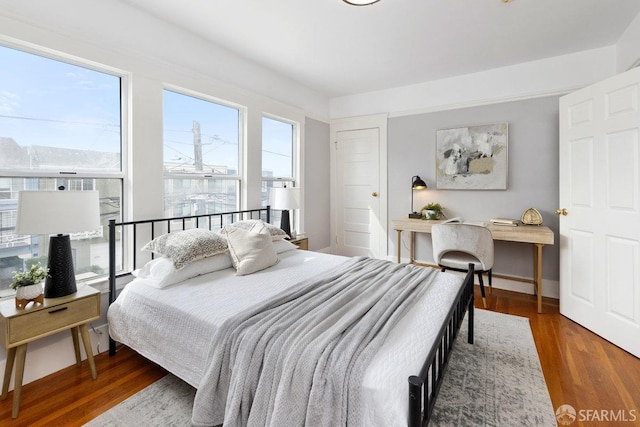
point(50, 212)
point(416, 184)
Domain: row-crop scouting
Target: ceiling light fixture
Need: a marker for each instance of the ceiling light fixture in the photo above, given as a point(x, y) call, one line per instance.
point(360, 2)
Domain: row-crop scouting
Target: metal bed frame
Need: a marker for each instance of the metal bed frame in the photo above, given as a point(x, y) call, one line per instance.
point(423, 388)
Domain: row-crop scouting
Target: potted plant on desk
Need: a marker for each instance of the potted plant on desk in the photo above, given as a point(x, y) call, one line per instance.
point(28, 285)
point(433, 211)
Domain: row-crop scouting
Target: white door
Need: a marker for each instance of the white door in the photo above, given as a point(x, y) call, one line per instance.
point(358, 192)
point(600, 190)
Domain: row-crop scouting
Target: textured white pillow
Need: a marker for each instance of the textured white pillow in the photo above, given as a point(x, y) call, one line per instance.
point(185, 247)
point(251, 250)
point(246, 224)
point(161, 272)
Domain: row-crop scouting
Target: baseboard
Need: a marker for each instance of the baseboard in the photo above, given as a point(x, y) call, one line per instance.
point(550, 288)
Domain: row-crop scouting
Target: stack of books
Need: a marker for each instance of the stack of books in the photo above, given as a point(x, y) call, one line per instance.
point(505, 221)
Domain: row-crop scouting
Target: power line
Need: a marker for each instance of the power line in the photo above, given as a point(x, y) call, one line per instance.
point(59, 121)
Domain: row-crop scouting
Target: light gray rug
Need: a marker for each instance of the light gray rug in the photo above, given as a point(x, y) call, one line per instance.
point(498, 380)
point(495, 382)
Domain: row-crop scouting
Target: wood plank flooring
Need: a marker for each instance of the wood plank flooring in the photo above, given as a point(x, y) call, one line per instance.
point(581, 369)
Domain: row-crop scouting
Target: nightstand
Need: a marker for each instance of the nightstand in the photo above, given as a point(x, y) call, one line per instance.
point(18, 327)
point(301, 242)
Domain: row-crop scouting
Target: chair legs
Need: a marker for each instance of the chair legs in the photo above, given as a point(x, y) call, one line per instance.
point(484, 299)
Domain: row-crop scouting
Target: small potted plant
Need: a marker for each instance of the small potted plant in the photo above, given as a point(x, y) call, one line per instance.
point(28, 284)
point(433, 211)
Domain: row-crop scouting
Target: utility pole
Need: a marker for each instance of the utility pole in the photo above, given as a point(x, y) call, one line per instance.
point(197, 146)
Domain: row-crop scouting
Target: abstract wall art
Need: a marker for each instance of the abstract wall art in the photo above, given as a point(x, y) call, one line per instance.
point(472, 157)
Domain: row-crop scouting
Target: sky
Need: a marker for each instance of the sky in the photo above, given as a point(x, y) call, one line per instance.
point(53, 103)
point(50, 103)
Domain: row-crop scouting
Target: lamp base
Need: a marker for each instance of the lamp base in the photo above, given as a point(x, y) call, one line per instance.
point(61, 280)
point(285, 224)
point(415, 215)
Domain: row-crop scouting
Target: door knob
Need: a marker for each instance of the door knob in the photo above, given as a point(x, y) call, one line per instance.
point(374, 194)
point(562, 211)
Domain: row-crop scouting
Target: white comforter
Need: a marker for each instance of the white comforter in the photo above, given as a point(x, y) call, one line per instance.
point(173, 326)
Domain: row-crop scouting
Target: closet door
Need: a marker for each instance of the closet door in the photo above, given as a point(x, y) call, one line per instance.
point(358, 187)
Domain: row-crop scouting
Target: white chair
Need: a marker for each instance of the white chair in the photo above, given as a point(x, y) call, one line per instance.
point(457, 245)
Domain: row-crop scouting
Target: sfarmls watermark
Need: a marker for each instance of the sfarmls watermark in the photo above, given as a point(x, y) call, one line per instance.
point(567, 415)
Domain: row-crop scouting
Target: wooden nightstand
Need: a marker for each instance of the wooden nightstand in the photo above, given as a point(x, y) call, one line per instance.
point(18, 327)
point(301, 242)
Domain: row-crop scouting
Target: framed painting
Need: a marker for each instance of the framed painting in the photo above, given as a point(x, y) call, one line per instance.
point(472, 157)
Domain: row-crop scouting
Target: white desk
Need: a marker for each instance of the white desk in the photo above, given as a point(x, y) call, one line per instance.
point(538, 235)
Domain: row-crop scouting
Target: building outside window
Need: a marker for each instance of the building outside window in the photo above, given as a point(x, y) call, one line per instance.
point(201, 155)
point(279, 155)
point(60, 127)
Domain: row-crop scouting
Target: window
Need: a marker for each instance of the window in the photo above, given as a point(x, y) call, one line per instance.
point(201, 156)
point(278, 160)
point(60, 126)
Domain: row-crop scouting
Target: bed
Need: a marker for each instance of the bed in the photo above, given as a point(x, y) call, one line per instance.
point(179, 325)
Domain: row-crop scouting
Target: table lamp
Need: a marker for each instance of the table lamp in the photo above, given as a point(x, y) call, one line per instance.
point(285, 199)
point(51, 212)
point(416, 184)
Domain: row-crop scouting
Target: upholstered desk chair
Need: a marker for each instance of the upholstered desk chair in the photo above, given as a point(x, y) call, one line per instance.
point(457, 245)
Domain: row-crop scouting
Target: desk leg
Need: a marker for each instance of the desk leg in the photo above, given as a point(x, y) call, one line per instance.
point(537, 273)
point(8, 370)
point(411, 240)
point(399, 245)
point(21, 353)
point(84, 332)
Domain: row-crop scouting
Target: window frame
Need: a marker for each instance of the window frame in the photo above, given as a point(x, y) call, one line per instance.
point(242, 119)
point(295, 150)
point(68, 173)
point(295, 168)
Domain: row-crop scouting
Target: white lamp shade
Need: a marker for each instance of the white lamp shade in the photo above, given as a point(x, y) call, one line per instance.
point(285, 198)
point(57, 212)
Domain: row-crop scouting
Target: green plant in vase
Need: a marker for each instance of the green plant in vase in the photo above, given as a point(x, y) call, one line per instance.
point(28, 285)
point(433, 211)
point(33, 276)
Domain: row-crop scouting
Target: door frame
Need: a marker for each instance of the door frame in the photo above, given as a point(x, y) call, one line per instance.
point(378, 121)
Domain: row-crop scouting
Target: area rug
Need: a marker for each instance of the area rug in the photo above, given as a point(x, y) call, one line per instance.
point(497, 381)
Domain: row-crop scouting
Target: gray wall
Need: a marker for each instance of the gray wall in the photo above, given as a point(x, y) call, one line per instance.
point(316, 178)
point(532, 176)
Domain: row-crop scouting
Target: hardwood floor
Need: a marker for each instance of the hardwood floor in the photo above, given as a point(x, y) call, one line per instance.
point(581, 369)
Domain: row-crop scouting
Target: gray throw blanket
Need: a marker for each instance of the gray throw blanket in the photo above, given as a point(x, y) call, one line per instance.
point(299, 358)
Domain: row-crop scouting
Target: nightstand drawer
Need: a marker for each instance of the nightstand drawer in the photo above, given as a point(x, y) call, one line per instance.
point(301, 243)
point(52, 319)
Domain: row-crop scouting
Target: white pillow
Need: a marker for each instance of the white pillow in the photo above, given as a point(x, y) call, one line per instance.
point(187, 246)
point(251, 250)
point(246, 224)
point(161, 272)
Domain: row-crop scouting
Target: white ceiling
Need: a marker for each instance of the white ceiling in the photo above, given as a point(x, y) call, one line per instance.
point(339, 49)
